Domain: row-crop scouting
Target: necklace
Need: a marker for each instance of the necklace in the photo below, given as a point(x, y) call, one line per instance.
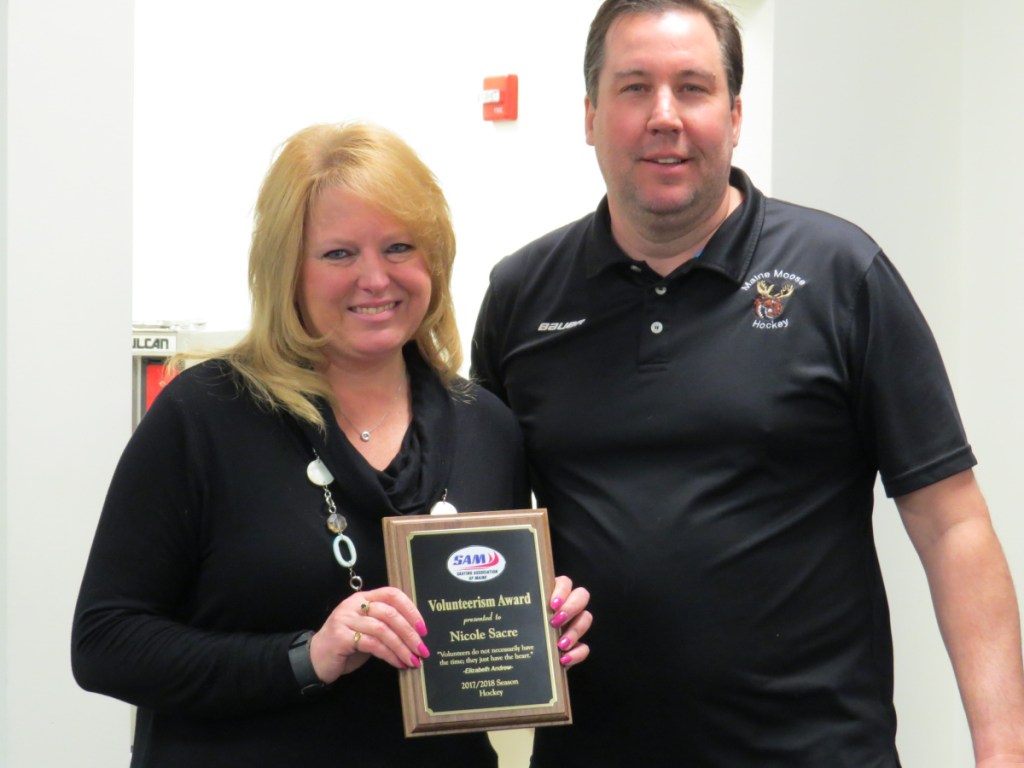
point(321, 476)
point(444, 507)
point(365, 434)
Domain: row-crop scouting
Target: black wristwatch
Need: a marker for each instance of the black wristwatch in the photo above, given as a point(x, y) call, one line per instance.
point(302, 665)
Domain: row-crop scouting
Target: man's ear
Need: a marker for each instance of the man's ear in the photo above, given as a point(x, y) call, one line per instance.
point(589, 125)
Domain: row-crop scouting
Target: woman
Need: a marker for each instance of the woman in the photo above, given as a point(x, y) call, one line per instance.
point(234, 589)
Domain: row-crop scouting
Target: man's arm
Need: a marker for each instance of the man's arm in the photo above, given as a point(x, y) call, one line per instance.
point(484, 368)
point(976, 607)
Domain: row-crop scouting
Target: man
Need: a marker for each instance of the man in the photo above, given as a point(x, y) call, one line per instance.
point(709, 382)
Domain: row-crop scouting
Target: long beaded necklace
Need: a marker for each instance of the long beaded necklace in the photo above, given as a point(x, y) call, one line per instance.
point(318, 473)
point(321, 476)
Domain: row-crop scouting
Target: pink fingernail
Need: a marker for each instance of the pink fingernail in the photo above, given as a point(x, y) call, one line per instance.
point(414, 661)
point(423, 651)
point(559, 619)
point(565, 643)
point(566, 660)
point(421, 628)
point(556, 603)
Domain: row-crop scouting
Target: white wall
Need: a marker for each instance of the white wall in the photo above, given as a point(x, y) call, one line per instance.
point(207, 124)
point(3, 357)
point(848, 106)
point(65, 397)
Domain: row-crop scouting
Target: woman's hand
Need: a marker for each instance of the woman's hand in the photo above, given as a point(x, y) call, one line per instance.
point(378, 622)
point(569, 606)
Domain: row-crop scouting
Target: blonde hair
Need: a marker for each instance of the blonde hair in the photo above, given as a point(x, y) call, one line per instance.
point(278, 359)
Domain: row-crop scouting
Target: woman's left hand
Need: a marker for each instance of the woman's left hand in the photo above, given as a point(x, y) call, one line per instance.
point(572, 617)
point(382, 622)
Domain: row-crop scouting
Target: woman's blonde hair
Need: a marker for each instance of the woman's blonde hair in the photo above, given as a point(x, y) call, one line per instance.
point(279, 360)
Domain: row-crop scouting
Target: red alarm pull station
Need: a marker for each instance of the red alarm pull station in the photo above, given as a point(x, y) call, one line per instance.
point(500, 97)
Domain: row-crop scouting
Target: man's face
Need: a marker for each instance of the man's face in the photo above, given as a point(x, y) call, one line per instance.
point(662, 124)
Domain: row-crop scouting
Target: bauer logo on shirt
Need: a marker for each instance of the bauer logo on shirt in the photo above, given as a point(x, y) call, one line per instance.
point(774, 290)
point(476, 564)
point(548, 327)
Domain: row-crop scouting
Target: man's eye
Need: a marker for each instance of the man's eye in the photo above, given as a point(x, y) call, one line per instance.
point(634, 88)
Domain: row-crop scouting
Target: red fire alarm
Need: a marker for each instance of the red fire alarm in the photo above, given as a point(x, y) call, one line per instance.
point(500, 97)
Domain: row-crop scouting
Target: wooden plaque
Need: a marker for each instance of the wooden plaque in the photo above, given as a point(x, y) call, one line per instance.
point(482, 581)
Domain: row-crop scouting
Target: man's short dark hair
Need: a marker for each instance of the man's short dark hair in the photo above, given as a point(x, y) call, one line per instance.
point(721, 19)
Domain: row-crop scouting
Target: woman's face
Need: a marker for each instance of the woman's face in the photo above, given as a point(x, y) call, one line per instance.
point(363, 283)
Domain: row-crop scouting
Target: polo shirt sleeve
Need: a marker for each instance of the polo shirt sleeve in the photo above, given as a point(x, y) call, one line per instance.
point(903, 401)
point(485, 354)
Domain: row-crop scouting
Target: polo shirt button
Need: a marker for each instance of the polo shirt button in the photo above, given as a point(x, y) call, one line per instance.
point(661, 290)
point(657, 327)
point(634, 267)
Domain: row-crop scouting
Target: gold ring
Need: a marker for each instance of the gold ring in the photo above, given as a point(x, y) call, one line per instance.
point(365, 608)
point(356, 638)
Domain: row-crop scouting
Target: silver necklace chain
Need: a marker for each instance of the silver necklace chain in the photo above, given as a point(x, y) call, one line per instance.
point(365, 434)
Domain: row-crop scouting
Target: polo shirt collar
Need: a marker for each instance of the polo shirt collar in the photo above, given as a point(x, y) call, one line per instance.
point(729, 251)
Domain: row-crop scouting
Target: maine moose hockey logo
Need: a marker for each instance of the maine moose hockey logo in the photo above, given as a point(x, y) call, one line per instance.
point(770, 304)
point(774, 289)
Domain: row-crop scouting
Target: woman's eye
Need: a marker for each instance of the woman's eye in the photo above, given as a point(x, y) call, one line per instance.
point(398, 251)
point(337, 255)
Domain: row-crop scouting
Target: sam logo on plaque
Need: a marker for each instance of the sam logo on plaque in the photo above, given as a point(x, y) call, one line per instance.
point(476, 564)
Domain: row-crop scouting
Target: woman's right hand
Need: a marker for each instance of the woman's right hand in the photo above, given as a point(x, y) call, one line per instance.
point(380, 622)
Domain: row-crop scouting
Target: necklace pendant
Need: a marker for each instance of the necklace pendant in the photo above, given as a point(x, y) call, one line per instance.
point(365, 435)
point(443, 508)
point(336, 523)
point(319, 474)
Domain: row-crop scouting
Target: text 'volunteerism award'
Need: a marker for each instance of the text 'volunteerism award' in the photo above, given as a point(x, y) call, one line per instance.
point(482, 582)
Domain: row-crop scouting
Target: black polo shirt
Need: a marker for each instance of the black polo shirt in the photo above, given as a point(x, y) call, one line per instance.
point(707, 445)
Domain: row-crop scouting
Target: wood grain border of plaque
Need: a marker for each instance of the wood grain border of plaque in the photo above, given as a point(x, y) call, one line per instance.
point(482, 581)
